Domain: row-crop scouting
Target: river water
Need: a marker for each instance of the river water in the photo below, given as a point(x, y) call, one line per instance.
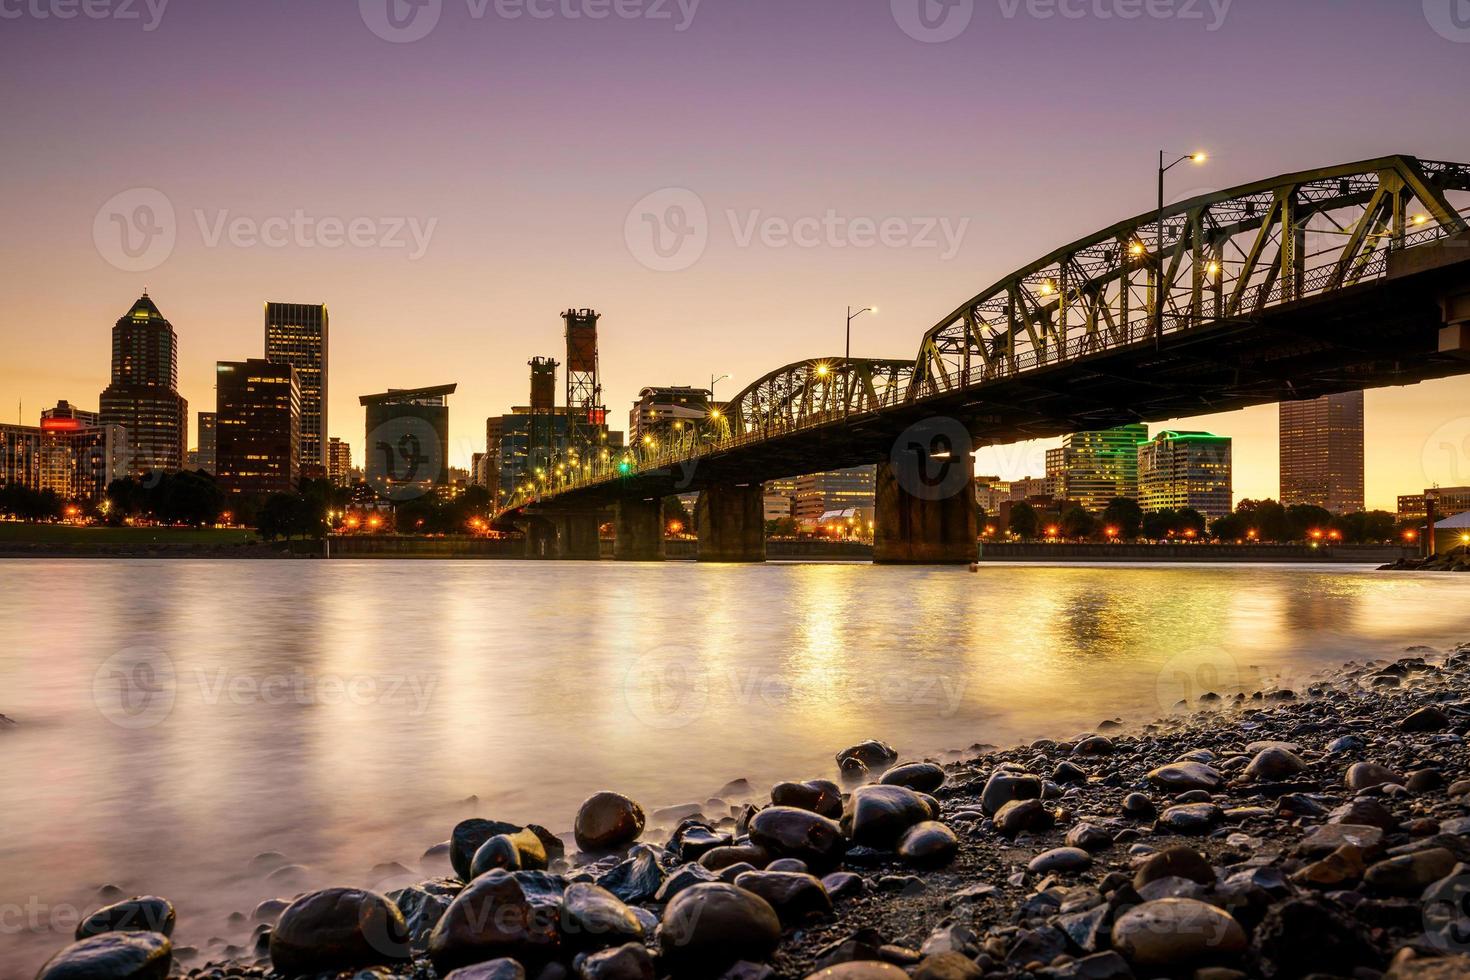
point(176, 718)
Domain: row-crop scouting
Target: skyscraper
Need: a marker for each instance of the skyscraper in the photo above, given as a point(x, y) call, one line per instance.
point(1185, 469)
point(1094, 467)
point(339, 462)
point(835, 490)
point(143, 396)
point(1322, 452)
point(406, 452)
point(207, 441)
point(296, 334)
point(258, 415)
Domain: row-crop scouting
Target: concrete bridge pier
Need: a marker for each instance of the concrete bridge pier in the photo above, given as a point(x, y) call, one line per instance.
point(1454, 336)
point(540, 537)
point(925, 511)
point(638, 530)
point(576, 537)
point(731, 523)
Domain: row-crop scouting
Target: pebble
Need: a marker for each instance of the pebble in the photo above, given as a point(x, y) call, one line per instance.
point(880, 814)
point(148, 913)
point(817, 795)
point(337, 929)
point(796, 897)
point(1177, 932)
point(607, 821)
point(711, 926)
point(788, 832)
point(1365, 775)
point(500, 969)
point(1064, 860)
point(1274, 763)
point(1182, 776)
point(871, 754)
point(929, 844)
point(502, 913)
point(1019, 816)
point(1004, 787)
point(1191, 818)
point(1410, 874)
point(629, 962)
point(593, 917)
point(922, 777)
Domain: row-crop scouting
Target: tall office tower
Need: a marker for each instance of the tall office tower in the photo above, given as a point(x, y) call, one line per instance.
point(818, 494)
point(258, 417)
point(339, 462)
point(207, 441)
point(1322, 452)
point(296, 334)
point(143, 395)
point(1186, 469)
point(1094, 467)
point(406, 450)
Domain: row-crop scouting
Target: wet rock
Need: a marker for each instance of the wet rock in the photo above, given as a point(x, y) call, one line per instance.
point(1177, 932)
point(1304, 936)
point(423, 905)
point(1340, 869)
point(1002, 787)
point(501, 969)
point(859, 970)
point(817, 795)
point(928, 844)
point(502, 913)
point(947, 966)
point(1089, 837)
point(786, 831)
point(1178, 861)
point(922, 777)
point(1453, 967)
point(1364, 812)
point(1066, 773)
point(723, 857)
point(1427, 719)
point(842, 884)
point(795, 897)
point(629, 962)
point(147, 913)
point(607, 821)
point(1273, 764)
point(871, 754)
point(1064, 860)
point(1098, 966)
point(636, 879)
point(1183, 776)
point(497, 852)
point(1365, 775)
point(1346, 743)
point(268, 911)
point(1410, 874)
point(681, 878)
point(112, 956)
point(694, 838)
point(1329, 837)
point(1094, 745)
point(1020, 816)
point(593, 918)
point(337, 929)
point(878, 815)
point(706, 928)
point(1136, 806)
point(788, 864)
point(1191, 818)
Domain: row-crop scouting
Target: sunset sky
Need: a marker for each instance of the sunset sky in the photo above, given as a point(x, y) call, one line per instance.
point(486, 173)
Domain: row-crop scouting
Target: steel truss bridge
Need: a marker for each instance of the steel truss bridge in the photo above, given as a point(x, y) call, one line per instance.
point(1343, 278)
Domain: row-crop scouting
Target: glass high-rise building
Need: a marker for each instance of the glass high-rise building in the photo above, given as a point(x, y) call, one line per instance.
point(834, 490)
point(339, 462)
point(1092, 468)
point(143, 396)
point(296, 334)
point(1186, 469)
point(1322, 452)
point(208, 445)
point(258, 427)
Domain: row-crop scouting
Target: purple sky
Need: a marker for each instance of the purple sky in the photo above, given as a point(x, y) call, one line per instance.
point(518, 147)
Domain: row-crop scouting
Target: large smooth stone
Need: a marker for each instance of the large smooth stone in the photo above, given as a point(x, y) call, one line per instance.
point(929, 844)
point(636, 879)
point(607, 821)
point(880, 814)
point(469, 835)
point(501, 913)
point(423, 905)
point(1178, 861)
point(817, 795)
point(594, 918)
point(859, 970)
point(795, 896)
point(1004, 786)
point(628, 962)
point(504, 968)
point(147, 913)
point(499, 852)
point(1180, 777)
point(1177, 932)
point(112, 956)
point(1066, 860)
point(1366, 775)
point(338, 929)
point(1427, 719)
point(1410, 874)
point(1273, 764)
point(922, 777)
point(1019, 816)
point(871, 754)
point(706, 928)
point(723, 857)
point(785, 831)
point(693, 838)
point(1191, 818)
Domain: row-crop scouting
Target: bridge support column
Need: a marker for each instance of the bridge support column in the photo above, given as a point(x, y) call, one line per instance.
point(540, 538)
point(731, 522)
point(576, 537)
point(925, 511)
point(1454, 336)
point(638, 530)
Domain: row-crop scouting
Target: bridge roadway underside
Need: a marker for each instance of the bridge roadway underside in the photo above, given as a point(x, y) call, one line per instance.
point(1373, 335)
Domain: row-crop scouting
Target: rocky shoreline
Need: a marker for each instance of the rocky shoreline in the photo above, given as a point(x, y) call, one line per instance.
point(1319, 832)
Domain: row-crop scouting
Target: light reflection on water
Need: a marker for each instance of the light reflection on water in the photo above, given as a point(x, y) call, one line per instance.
point(540, 683)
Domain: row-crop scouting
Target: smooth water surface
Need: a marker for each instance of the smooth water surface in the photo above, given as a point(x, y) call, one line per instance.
point(176, 718)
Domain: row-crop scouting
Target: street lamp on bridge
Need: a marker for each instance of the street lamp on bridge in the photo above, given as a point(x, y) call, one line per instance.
point(851, 316)
point(1196, 157)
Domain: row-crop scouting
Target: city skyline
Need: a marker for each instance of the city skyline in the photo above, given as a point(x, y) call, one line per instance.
point(506, 247)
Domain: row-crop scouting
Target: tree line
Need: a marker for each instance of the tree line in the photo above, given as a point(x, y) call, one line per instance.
point(1252, 520)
